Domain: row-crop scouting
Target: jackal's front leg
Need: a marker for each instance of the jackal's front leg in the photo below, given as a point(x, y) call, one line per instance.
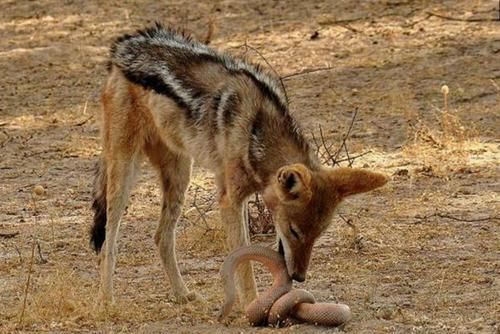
point(234, 219)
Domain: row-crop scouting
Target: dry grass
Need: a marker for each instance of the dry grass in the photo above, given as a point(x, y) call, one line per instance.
point(65, 299)
point(442, 144)
point(59, 297)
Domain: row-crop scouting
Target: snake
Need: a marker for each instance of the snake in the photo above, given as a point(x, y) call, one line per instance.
point(281, 304)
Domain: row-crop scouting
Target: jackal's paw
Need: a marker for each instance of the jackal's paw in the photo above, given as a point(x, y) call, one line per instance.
point(104, 304)
point(191, 296)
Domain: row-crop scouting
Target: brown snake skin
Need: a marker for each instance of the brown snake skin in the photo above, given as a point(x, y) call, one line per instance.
point(280, 305)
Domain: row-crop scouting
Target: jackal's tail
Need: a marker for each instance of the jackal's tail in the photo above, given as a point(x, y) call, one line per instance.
point(98, 230)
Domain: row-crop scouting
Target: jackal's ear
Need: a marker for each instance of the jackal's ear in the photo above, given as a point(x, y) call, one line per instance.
point(293, 183)
point(350, 181)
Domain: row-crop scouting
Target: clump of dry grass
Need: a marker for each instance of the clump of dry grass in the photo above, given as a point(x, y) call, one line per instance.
point(441, 147)
point(58, 298)
point(66, 299)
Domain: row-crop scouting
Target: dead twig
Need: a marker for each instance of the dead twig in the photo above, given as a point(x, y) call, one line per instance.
point(346, 136)
point(260, 218)
point(307, 71)
point(327, 150)
point(414, 23)
point(84, 121)
point(352, 158)
point(28, 280)
point(35, 210)
point(451, 18)
point(319, 149)
point(210, 30)
point(8, 235)
point(448, 216)
point(201, 212)
point(39, 248)
point(247, 46)
point(348, 27)
point(19, 253)
point(323, 149)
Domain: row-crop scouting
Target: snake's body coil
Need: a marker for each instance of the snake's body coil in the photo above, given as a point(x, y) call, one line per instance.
point(281, 304)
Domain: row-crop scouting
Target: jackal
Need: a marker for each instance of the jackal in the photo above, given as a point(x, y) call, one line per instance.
point(175, 100)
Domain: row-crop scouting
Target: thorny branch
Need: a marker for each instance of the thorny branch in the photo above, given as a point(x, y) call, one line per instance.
point(207, 203)
point(247, 46)
point(346, 136)
point(323, 149)
point(260, 218)
point(448, 216)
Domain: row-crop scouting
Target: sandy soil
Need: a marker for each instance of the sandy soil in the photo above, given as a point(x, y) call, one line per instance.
point(425, 254)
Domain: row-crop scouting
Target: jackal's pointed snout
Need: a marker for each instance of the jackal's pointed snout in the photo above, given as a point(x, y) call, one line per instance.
point(296, 260)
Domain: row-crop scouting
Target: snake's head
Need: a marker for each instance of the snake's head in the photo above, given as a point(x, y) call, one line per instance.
point(302, 202)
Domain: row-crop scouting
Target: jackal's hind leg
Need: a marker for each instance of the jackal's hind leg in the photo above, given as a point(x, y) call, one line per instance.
point(174, 171)
point(120, 177)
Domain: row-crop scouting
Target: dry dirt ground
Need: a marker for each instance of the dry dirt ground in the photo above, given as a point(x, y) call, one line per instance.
point(424, 253)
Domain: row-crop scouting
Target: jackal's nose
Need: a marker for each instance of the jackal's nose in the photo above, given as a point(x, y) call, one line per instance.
point(299, 277)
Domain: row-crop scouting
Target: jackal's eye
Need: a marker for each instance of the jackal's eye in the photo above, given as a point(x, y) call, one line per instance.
point(294, 233)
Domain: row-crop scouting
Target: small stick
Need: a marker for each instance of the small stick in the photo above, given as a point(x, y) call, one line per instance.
point(35, 210)
point(27, 282)
point(39, 248)
point(8, 235)
point(308, 71)
point(200, 212)
point(448, 216)
point(347, 154)
point(210, 30)
point(451, 18)
point(346, 136)
point(353, 157)
point(19, 253)
point(330, 157)
point(270, 66)
point(84, 121)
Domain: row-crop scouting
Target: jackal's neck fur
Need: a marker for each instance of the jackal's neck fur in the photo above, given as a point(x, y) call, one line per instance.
point(210, 105)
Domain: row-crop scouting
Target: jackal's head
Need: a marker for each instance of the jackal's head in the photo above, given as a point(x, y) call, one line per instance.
point(302, 202)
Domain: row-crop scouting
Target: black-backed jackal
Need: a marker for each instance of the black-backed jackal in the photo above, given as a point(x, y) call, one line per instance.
point(175, 100)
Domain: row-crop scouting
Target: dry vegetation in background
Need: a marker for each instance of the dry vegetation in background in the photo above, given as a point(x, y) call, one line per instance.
point(410, 88)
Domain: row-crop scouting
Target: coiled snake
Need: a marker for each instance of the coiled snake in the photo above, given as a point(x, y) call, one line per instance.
point(280, 305)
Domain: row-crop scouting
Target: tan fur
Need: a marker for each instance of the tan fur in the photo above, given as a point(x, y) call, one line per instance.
point(140, 123)
point(308, 207)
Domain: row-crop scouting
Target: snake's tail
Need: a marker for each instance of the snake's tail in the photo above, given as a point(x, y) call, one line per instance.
point(325, 314)
point(227, 273)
